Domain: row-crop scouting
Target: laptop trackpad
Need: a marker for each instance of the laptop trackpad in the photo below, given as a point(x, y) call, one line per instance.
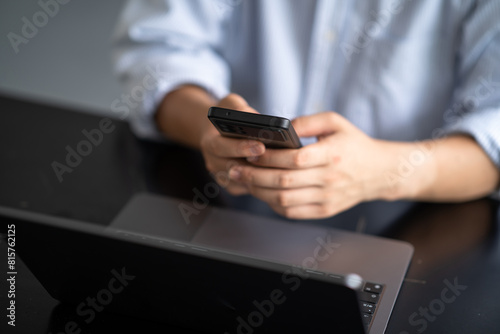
point(260, 236)
point(228, 230)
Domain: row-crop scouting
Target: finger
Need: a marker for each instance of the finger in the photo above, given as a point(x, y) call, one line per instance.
point(277, 178)
point(314, 155)
point(220, 146)
point(219, 167)
point(236, 189)
point(307, 211)
point(320, 124)
point(237, 102)
point(221, 175)
point(289, 197)
point(233, 187)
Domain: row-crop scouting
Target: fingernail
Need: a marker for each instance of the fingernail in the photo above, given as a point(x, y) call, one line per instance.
point(256, 149)
point(253, 159)
point(235, 173)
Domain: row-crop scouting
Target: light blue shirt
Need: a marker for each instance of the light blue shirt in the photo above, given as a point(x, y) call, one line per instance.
point(398, 69)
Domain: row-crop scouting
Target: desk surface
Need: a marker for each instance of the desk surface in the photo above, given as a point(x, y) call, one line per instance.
point(455, 244)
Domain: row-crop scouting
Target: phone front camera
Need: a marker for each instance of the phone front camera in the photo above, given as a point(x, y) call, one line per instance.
point(228, 113)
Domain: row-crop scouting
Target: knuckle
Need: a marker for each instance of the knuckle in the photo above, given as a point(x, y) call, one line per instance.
point(230, 96)
point(336, 119)
point(325, 211)
point(330, 177)
point(232, 163)
point(276, 209)
point(247, 175)
point(288, 213)
point(226, 100)
point(232, 100)
point(300, 158)
point(222, 179)
point(285, 179)
point(282, 199)
point(243, 146)
point(332, 117)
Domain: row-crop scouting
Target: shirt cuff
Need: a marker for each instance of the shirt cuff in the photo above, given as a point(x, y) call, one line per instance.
point(149, 81)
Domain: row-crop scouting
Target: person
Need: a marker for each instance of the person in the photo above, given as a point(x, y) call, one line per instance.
point(396, 99)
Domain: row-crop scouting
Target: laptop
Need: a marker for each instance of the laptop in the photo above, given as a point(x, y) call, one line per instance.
point(215, 270)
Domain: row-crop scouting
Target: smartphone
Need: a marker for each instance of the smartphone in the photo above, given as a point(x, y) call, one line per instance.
point(273, 131)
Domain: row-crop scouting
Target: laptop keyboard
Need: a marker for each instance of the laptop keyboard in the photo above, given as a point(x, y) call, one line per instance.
point(369, 299)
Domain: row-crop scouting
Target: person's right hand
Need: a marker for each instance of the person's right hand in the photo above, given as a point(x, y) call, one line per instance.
point(223, 153)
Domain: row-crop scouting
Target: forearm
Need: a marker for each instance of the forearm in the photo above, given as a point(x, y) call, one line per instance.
point(182, 115)
point(449, 169)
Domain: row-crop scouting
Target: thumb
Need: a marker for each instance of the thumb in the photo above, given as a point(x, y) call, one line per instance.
point(321, 124)
point(236, 102)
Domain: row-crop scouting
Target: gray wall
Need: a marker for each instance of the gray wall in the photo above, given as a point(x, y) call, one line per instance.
point(68, 60)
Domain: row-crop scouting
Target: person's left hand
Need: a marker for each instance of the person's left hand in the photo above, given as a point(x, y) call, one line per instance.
point(343, 168)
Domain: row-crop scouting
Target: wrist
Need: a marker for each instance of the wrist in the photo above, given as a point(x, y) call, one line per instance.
point(182, 115)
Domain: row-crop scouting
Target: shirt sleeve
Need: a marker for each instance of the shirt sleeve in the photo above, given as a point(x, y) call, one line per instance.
point(160, 45)
point(475, 109)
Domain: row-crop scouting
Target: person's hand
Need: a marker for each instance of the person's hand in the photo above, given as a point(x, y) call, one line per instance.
point(222, 153)
point(343, 168)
